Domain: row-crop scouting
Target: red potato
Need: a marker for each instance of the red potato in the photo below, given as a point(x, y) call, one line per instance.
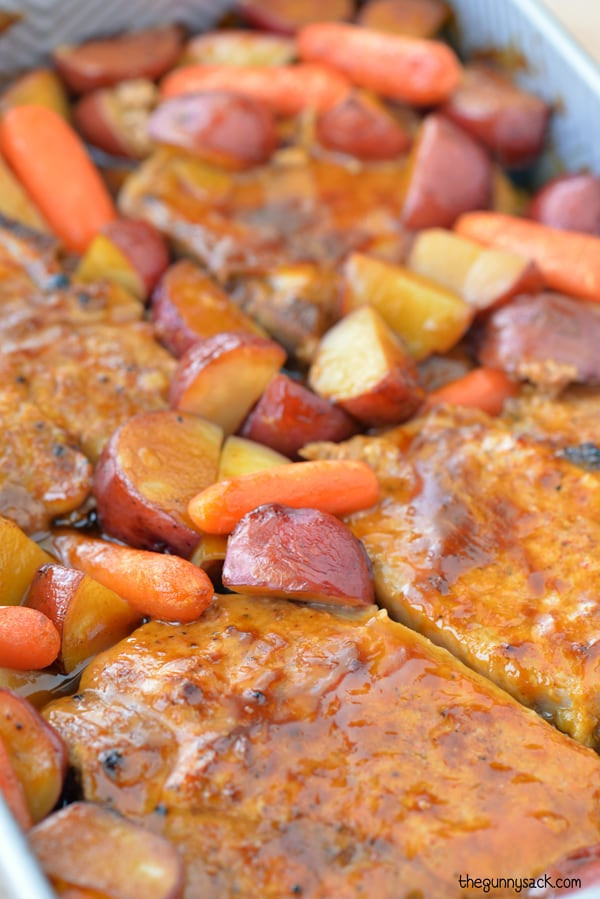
point(189, 306)
point(209, 555)
point(115, 119)
point(143, 245)
point(86, 846)
point(36, 752)
point(362, 365)
point(240, 48)
point(223, 376)
point(20, 557)
point(289, 415)
point(148, 472)
point(509, 121)
point(287, 92)
point(482, 277)
point(88, 616)
point(42, 87)
point(448, 174)
point(360, 126)
point(570, 202)
point(421, 73)
point(287, 16)
point(12, 790)
point(219, 127)
point(241, 456)
point(415, 18)
point(104, 62)
point(548, 338)
point(298, 554)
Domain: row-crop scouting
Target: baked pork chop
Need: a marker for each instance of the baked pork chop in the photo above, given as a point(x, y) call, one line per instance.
point(487, 542)
point(289, 750)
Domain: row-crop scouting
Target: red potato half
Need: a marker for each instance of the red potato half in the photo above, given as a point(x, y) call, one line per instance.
point(148, 472)
point(362, 365)
point(571, 203)
point(37, 753)
point(84, 845)
point(88, 616)
point(287, 16)
point(189, 306)
point(223, 376)
point(115, 119)
point(300, 554)
point(416, 18)
point(289, 415)
point(511, 122)
point(240, 48)
point(218, 126)
point(241, 456)
point(448, 174)
point(143, 245)
point(482, 277)
point(360, 126)
point(101, 63)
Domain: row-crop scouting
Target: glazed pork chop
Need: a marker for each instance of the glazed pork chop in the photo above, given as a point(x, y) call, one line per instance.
point(487, 542)
point(292, 751)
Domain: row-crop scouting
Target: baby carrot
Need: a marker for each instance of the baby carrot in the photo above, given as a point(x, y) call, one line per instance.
point(482, 388)
point(569, 261)
point(416, 71)
point(12, 790)
point(286, 90)
point(28, 639)
point(51, 162)
point(336, 486)
point(153, 584)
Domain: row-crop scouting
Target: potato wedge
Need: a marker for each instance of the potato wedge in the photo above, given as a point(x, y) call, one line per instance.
point(289, 415)
point(287, 16)
point(115, 119)
point(299, 554)
point(143, 246)
point(84, 845)
point(415, 18)
point(429, 318)
point(448, 173)
point(223, 376)
point(210, 554)
point(148, 472)
point(241, 456)
point(42, 87)
point(361, 126)
point(362, 365)
point(37, 753)
point(15, 202)
point(20, 558)
point(482, 277)
point(104, 259)
point(240, 48)
point(88, 616)
point(188, 306)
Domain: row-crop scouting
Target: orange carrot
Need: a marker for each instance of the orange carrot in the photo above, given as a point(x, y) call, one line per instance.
point(569, 261)
point(482, 388)
point(161, 586)
point(51, 162)
point(28, 639)
point(12, 790)
point(286, 90)
point(416, 71)
point(336, 486)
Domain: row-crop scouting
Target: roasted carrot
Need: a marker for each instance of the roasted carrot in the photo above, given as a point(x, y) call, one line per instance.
point(153, 584)
point(28, 639)
point(483, 388)
point(286, 90)
point(569, 261)
point(415, 71)
point(336, 486)
point(51, 162)
point(12, 790)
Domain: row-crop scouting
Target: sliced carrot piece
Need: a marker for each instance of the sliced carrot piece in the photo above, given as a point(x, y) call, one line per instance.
point(483, 388)
point(336, 486)
point(416, 71)
point(28, 639)
point(569, 261)
point(153, 584)
point(286, 91)
point(51, 162)
point(12, 790)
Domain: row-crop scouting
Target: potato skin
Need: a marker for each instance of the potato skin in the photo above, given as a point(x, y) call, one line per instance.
point(298, 554)
point(449, 173)
point(570, 202)
point(143, 245)
point(218, 126)
point(289, 415)
point(102, 63)
point(361, 127)
point(287, 16)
